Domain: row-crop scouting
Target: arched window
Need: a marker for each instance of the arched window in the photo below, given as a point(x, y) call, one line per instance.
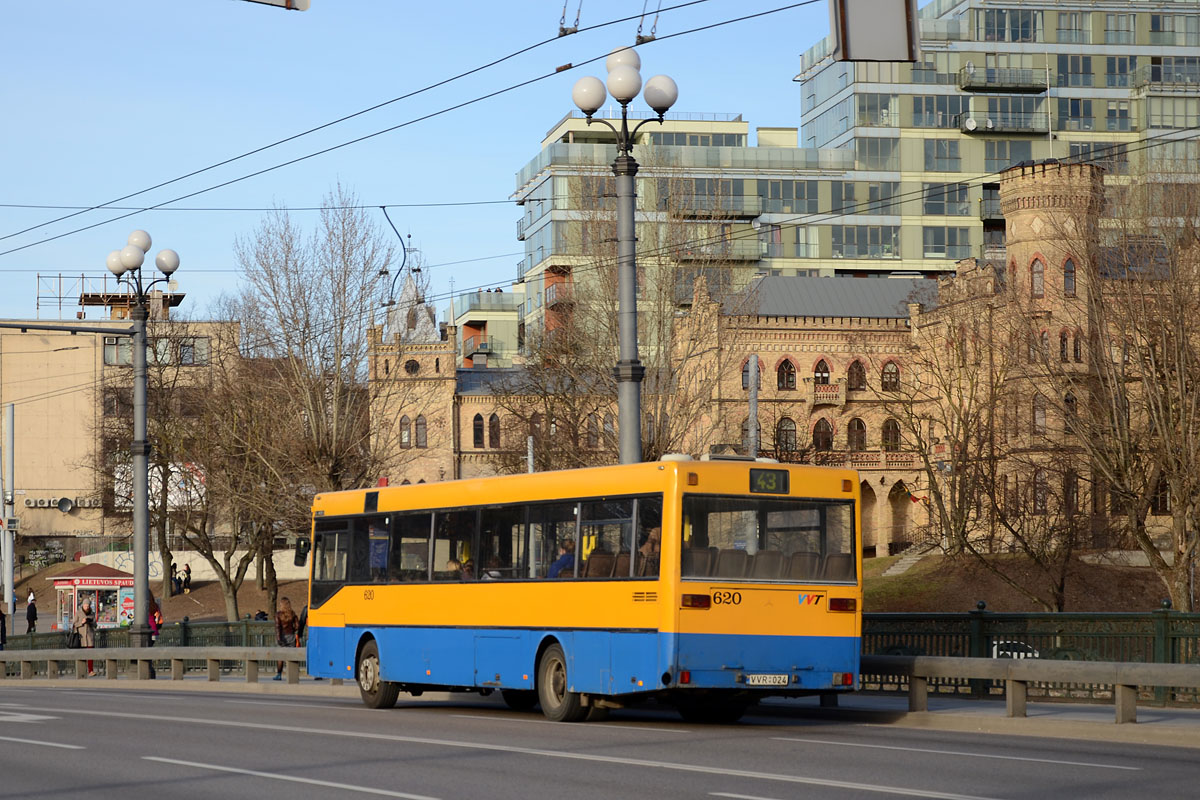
point(889, 379)
point(786, 375)
point(1037, 278)
point(1069, 278)
point(1063, 355)
point(494, 430)
point(856, 435)
point(1041, 489)
point(1077, 347)
point(593, 432)
point(785, 435)
point(822, 435)
point(405, 432)
point(1044, 344)
point(437, 365)
point(1070, 409)
point(746, 374)
point(1039, 416)
point(891, 435)
point(477, 430)
point(821, 373)
point(856, 376)
point(422, 435)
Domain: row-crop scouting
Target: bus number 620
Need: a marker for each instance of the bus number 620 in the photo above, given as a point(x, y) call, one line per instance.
point(727, 598)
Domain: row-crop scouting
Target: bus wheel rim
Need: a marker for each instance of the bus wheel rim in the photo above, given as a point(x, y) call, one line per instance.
point(367, 677)
point(558, 680)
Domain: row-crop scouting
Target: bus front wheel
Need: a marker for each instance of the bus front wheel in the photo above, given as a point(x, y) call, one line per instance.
point(376, 692)
point(559, 704)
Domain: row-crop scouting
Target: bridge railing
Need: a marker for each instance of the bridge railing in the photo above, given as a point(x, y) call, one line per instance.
point(140, 662)
point(1017, 674)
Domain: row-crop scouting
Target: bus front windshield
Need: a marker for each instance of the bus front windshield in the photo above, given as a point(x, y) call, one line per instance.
point(776, 539)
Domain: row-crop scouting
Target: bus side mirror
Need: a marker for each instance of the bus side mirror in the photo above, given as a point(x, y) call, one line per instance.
point(302, 548)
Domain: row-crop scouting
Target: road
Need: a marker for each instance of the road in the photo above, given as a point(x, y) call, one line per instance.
point(82, 741)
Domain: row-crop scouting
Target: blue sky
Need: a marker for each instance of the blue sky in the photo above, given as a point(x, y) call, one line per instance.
point(103, 99)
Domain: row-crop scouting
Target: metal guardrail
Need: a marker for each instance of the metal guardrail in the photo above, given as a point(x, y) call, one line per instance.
point(52, 662)
point(1018, 673)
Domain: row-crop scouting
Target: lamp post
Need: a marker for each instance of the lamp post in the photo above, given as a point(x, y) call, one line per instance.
point(126, 264)
point(624, 82)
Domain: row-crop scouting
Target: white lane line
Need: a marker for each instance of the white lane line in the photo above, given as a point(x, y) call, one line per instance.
point(349, 787)
point(594, 758)
point(601, 727)
point(16, 716)
point(739, 796)
point(322, 706)
point(42, 744)
point(957, 753)
point(121, 695)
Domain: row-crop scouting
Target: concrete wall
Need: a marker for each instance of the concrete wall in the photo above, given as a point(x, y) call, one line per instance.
point(285, 568)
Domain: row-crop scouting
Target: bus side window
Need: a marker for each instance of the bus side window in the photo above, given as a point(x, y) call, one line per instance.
point(409, 556)
point(550, 524)
point(501, 545)
point(453, 559)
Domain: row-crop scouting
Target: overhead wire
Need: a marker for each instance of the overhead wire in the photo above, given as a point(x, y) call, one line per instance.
point(339, 120)
point(413, 121)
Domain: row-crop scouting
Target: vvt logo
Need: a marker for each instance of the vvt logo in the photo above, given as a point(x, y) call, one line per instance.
point(811, 599)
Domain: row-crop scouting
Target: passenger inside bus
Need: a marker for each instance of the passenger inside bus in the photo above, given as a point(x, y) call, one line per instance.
point(564, 567)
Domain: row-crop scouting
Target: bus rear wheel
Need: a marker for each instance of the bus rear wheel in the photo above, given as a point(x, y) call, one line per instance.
point(519, 699)
point(559, 704)
point(376, 692)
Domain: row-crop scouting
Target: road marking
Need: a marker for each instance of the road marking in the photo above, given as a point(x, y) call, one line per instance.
point(594, 758)
point(322, 706)
point(956, 753)
point(14, 716)
point(41, 744)
point(740, 796)
point(602, 726)
point(290, 778)
point(121, 695)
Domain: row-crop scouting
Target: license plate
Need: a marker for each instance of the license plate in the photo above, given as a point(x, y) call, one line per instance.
point(763, 679)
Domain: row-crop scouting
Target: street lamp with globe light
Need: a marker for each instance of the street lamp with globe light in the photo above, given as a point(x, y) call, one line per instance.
point(624, 83)
point(126, 265)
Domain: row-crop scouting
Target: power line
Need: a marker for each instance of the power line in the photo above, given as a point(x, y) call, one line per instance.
point(263, 208)
point(337, 121)
point(413, 121)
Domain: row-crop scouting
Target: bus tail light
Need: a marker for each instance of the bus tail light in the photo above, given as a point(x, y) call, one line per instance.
point(696, 601)
point(685, 677)
point(843, 679)
point(843, 604)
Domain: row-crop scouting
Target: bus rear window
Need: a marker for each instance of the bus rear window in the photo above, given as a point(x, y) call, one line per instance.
point(769, 539)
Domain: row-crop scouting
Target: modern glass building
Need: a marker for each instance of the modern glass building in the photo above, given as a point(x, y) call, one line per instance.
point(898, 172)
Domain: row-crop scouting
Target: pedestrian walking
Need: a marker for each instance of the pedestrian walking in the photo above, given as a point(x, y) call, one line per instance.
point(31, 615)
point(187, 578)
point(287, 628)
point(84, 623)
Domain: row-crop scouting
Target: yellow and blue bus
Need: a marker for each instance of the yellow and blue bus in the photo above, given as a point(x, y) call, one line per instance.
point(704, 584)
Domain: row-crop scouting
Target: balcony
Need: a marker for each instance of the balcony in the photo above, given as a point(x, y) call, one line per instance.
point(1174, 79)
point(702, 206)
point(560, 294)
point(471, 302)
point(1004, 122)
point(989, 208)
point(733, 250)
point(1002, 80)
point(521, 225)
point(993, 253)
point(480, 344)
point(827, 394)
